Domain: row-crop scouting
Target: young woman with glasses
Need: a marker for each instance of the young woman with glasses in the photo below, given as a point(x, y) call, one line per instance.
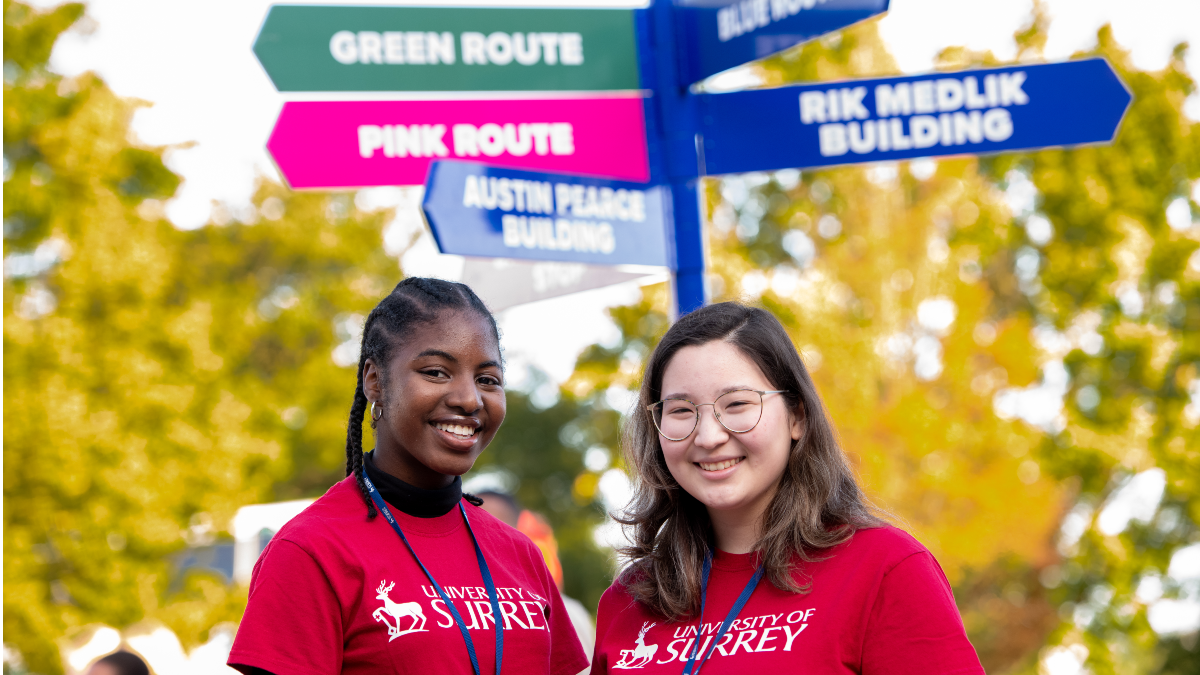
point(739, 478)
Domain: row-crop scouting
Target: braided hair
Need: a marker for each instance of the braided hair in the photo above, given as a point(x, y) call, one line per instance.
point(414, 301)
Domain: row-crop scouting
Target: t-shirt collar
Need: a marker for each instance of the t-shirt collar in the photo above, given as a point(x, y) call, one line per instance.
point(735, 561)
point(411, 499)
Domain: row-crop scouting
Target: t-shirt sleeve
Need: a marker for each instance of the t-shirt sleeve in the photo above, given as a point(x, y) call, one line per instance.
point(566, 654)
point(291, 604)
point(915, 626)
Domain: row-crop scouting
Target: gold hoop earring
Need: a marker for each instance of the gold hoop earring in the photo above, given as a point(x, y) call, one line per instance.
point(376, 411)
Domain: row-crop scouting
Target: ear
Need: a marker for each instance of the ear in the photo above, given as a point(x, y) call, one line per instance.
point(796, 420)
point(372, 384)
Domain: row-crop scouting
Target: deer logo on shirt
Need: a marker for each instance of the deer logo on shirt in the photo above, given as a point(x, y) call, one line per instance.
point(397, 611)
point(641, 655)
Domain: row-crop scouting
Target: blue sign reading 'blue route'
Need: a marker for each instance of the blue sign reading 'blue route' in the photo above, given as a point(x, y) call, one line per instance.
point(967, 112)
point(479, 210)
point(721, 34)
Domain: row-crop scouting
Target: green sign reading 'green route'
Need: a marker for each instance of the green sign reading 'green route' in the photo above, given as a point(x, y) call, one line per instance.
point(323, 48)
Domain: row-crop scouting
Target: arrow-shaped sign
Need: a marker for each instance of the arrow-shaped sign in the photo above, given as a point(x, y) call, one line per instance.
point(721, 34)
point(341, 48)
point(479, 210)
point(344, 144)
point(966, 112)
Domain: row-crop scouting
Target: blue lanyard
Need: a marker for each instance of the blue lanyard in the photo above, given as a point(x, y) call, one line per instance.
point(493, 597)
point(729, 618)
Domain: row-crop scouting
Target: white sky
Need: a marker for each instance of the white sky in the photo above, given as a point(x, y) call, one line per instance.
point(192, 60)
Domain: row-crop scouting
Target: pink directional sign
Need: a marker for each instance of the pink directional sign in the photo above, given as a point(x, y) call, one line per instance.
point(348, 144)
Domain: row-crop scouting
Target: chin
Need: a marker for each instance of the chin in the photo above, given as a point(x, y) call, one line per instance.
point(456, 465)
point(721, 502)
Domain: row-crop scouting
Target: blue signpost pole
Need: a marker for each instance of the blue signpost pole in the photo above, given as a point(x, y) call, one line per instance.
point(689, 246)
point(672, 124)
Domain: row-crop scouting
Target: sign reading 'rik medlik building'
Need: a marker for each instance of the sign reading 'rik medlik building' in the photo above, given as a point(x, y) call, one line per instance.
point(974, 111)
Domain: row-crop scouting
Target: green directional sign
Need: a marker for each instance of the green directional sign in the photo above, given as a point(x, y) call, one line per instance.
point(339, 48)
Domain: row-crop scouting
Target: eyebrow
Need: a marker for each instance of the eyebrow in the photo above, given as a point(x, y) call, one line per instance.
point(450, 357)
point(726, 390)
point(436, 352)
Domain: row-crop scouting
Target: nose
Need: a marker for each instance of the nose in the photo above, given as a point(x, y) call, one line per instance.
point(709, 432)
point(465, 396)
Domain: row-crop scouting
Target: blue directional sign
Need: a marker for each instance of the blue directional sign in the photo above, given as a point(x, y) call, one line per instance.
point(721, 34)
point(966, 112)
point(480, 210)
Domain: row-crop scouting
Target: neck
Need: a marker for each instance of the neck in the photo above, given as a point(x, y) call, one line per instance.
point(405, 467)
point(411, 499)
point(735, 531)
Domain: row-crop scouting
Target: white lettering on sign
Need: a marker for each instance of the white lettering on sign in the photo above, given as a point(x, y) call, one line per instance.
point(416, 140)
point(428, 48)
point(745, 16)
point(525, 49)
point(490, 140)
point(557, 234)
point(392, 47)
point(944, 111)
point(574, 217)
point(517, 140)
point(562, 199)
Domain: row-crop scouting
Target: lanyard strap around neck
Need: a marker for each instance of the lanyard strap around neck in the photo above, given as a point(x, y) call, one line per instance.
point(693, 667)
point(493, 597)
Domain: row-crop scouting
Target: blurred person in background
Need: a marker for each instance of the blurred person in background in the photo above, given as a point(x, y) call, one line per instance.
point(437, 585)
point(739, 476)
point(537, 528)
point(120, 663)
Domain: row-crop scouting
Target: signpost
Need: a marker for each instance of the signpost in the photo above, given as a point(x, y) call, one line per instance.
point(345, 144)
point(721, 34)
point(640, 124)
point(966, 112)
point(345, 48)
point(480, 210)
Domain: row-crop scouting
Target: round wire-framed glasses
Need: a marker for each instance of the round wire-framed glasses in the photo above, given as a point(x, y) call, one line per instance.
point(738, 411)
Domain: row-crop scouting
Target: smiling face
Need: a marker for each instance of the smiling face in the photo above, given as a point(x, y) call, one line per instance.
point(734, 475)
point(442, 398)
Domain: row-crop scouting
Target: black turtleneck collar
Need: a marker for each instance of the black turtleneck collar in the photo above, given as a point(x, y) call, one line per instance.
point(411, 499)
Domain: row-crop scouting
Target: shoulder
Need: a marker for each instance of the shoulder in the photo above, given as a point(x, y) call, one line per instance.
point(618, 607)
point(878, 548)
point(327, 517)
point(886, 541)
point(618, 598)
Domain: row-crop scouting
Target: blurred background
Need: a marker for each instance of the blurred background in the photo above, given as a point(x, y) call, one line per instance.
point(1009, 345)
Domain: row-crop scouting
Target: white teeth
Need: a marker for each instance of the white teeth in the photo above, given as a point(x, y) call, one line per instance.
point(717, 466)
point(456, 429)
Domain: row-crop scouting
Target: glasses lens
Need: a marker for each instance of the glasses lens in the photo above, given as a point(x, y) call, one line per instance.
point(740, 410)
point(675, 419)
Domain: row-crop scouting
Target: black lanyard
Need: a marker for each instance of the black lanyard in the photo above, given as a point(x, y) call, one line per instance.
point(729, 618)
point(493, 597)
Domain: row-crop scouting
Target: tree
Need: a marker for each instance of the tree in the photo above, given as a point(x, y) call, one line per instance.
point(155, 380)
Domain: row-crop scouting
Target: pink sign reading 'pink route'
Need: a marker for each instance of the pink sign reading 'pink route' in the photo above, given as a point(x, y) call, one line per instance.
point(348, 144)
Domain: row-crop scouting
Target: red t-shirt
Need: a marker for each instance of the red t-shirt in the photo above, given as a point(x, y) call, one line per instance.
point(878, 603)
point(336, 593)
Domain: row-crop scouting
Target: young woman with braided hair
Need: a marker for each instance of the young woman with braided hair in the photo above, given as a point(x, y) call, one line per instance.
point(435, 585)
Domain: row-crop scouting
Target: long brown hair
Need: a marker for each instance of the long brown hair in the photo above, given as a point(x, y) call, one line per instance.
point(818, 503)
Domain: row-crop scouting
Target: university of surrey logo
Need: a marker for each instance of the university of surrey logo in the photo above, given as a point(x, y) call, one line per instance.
point(641, 655)
point(397, 611)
